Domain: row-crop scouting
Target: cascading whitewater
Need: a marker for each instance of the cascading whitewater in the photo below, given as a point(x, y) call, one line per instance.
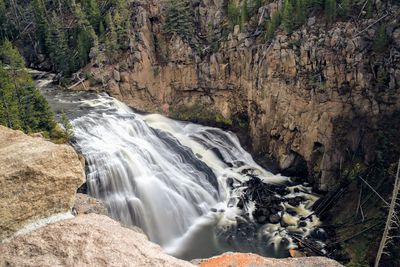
point(175, 179)
point(145, 177)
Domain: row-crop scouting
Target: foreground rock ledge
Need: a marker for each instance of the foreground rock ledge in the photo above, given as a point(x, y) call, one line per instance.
point(87, 240)
point(37, 179)
point(253, 260)
point(97, 240)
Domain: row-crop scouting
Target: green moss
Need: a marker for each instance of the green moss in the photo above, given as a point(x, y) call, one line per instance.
point(221, 119)
point(316, 168)
point(355, 169)
point(199, 112)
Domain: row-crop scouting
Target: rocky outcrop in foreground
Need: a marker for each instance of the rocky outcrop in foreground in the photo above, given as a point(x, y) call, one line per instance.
point(253, 260)
point(87, 240)
point(97, 240)
point(37, 179)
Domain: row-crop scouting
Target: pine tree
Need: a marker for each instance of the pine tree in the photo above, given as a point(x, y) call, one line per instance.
point(272, 25)
point(300, 12)
point(244, 15)
point(287, 16)
point(40, 20)
point(345, 8)
point(256, 5)
point(380, 40)
point(233, 14)
point(21, 104)
point(10, 56)
point(92, 12)
point(10, 111)
point(3, 19)
point(179, 19)
point(330, 10)
point(369, 9)
point(57, 46)
point(101, 29)
point(111, 37)
point(68, 128)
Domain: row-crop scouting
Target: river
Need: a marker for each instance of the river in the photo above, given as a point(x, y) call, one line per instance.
point(186, 185)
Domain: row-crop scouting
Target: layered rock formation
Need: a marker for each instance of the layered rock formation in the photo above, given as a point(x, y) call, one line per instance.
point(295, 92)
point(37, 179)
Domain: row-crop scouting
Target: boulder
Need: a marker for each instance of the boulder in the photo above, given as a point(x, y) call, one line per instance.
point(85, 204)
point(117, 76)
point(253, 260)
point(37, 179)
point(87, 240)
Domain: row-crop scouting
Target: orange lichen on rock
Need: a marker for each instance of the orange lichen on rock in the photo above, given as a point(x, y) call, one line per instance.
point(234, 260)
point(252, 260)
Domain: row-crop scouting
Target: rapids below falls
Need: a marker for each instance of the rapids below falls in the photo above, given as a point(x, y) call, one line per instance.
point(191, 188)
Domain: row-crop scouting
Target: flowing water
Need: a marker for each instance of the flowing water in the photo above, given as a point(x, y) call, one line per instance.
point(171, 178)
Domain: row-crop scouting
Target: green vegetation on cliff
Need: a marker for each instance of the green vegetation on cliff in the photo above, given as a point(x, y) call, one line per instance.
point(22, 106)
point(59, 36)
point(179, 19)
point(292, 14)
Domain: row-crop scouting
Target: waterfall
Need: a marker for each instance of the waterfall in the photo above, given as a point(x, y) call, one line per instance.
point(173, 179)
point(145, 177)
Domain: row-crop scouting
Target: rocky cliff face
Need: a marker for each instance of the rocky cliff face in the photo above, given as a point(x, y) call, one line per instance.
point(37, 179)
point(295, 93)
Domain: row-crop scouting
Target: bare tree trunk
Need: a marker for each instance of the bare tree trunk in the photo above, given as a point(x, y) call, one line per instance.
point(390, 217)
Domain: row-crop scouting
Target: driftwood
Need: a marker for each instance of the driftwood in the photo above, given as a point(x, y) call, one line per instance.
point(369, 26)
point(80, 81)
point(362, 9)
point(374, 190)
point(392, 218)
point(308, 244)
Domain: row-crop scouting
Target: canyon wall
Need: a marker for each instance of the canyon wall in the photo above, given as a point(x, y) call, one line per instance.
point(310, 99)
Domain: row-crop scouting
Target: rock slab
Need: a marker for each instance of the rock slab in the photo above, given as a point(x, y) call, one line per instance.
point(37, 179)
point(87, 240)
point(253, 260)
point(84, 204)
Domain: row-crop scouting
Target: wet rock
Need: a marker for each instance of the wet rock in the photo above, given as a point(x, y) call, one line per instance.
point(295, 202)
point(262, 219)
point(231, 202)
point(319, 234)
point(240, 204)
point(275, 218)
point(302, 224)
point(229, 182)
point(291, 212)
